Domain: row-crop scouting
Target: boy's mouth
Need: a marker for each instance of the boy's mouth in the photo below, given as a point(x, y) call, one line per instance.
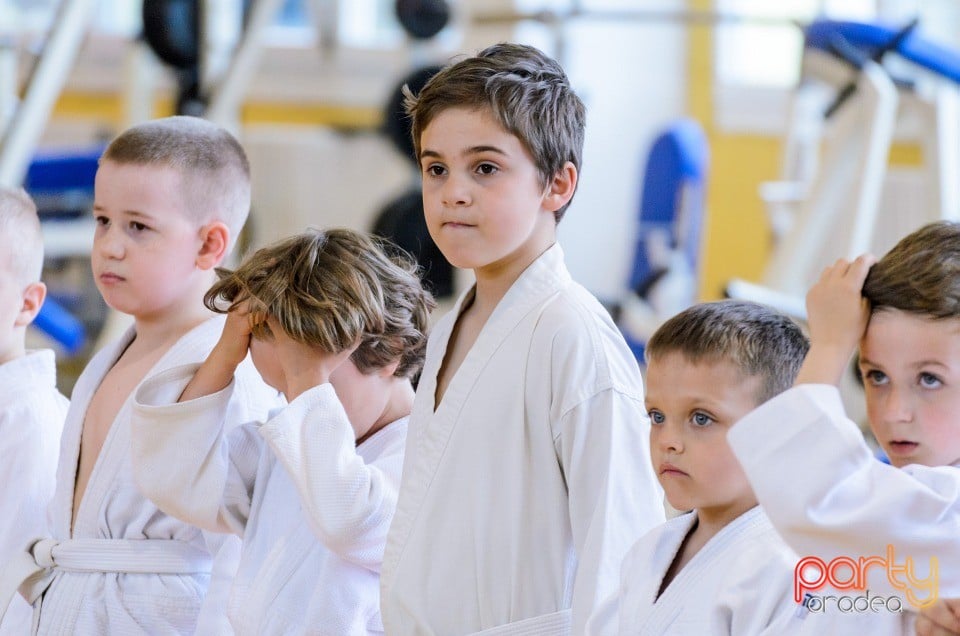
point(669, 469)
point(902, 447)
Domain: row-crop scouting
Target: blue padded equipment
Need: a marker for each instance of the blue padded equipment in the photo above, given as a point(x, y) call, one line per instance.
point(872, 37)
point(673, 182)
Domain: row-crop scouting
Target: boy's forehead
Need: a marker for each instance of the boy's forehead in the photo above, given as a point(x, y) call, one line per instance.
point(703, 376)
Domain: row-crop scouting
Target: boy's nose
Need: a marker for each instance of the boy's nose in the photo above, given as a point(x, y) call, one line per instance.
point(667, 438)
point(898, 407)
point(455, 192)
point(109, 245)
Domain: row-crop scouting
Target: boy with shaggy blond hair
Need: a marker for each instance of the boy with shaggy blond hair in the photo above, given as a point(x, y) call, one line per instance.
point(170, 195)
point(520, 490)
point(31, 409)
point(339, 328)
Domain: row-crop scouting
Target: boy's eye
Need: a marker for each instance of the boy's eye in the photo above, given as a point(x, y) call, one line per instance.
point(487, 168)
point(102, 220)
point(435, 170)
point(702, 419)
point(875, 378)
point(929, 381)
point(656, 417)
point(137, 226)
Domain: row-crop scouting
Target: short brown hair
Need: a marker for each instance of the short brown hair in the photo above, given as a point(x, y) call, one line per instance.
point(920, 275)
point(756, 339)
point(331, 288)
point(22, 241)
point(528, 94)
point(211, 162)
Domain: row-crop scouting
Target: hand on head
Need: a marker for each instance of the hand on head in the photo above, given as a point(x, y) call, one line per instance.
point(940, 619)
point(837, 314)
point(235, 339)
point(304, 366)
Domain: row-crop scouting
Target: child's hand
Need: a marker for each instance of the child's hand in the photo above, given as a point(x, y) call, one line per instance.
point(234, 342)
point(303, 366)
point(837, 314)
point(216, 372)
point(940, 619)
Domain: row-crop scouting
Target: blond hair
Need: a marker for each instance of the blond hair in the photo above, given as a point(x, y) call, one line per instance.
point(212, 164)
point(330, 289)
point(21, 237)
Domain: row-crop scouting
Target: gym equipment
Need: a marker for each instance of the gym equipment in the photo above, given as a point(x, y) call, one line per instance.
point(861, 84)
point(663, 279)
point(423, 19)
point(401, 220)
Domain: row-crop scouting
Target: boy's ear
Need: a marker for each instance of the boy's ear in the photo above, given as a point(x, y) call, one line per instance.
point(215, 239)
point(389, 369)
point(33, 297)
point(560, 190)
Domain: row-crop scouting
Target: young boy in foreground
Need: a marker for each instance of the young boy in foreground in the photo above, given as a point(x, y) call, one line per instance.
point(904, 312)
point(340, 329)
point(521, 491)
point(170, 196)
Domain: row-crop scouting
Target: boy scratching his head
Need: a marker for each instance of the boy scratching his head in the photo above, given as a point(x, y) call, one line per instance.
point(169, 197)
point(340, 329)
point(904, 313)
point(31, 409)
point(520, 490)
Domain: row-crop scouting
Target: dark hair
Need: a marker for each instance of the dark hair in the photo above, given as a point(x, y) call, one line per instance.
point(528, 94)
point(756, 339)
point(331, 288)
point(920, 275)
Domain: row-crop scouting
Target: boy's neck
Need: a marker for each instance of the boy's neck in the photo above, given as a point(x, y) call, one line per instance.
point(496, 279)
point(14, 349)
point(165, 328)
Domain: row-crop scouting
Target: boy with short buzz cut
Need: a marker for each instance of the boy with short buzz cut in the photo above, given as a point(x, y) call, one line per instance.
point(32, 410)
point(520, 490)
point(721, 568)
point(340, 329)
point(169, 197)
point(904, 312)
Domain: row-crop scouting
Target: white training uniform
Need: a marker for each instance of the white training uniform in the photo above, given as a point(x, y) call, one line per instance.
point(126, 568)
point(31, 422)
point(313, 508)
point(739, 583)
point(524, 489)
point(828, 496)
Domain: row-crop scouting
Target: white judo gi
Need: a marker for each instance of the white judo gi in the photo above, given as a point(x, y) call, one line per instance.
point(525, 487)
point(126, 567)
point(313, 508)
point(740, 583)
point(32, 412)
point(828, 496)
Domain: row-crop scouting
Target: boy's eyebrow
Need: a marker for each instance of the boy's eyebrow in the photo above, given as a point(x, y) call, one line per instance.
point(133, 213)
point(916, 365)
point(472, 150)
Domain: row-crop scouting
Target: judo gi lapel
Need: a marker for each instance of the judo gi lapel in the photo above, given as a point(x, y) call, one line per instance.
point(431, 424)
point(194, 346)
point(668, 607)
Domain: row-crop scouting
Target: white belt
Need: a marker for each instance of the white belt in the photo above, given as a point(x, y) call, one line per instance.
point(556, 624)
point(133, 556)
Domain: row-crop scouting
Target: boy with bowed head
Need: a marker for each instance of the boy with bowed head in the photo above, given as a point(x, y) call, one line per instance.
point(339, 328)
